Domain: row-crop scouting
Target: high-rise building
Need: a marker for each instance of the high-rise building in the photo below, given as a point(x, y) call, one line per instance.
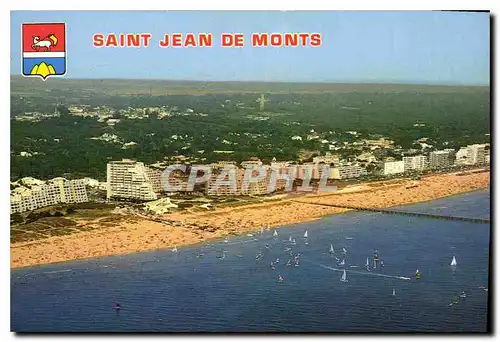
point(416, 163)
point(441, 159)
point(129, 179)
point(471, 155)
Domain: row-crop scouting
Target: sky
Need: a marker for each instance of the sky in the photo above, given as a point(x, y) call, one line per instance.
point(396, 47)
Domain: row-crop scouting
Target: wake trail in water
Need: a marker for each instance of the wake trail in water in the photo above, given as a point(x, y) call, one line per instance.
point(54, 272)
point(365, 273)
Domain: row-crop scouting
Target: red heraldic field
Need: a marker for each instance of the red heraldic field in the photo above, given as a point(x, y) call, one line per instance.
point(44, 49)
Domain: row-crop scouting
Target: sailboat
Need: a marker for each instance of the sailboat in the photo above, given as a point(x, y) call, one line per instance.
point(174, 249)
point(344, 250)
point(367, 265)
point(275, 233)
point(393, 291)
point(290, 239)
point(332, 251)
point(454, 262)
point(342, 263)
point(344, 277)
point(417, 274)
point(261, 230)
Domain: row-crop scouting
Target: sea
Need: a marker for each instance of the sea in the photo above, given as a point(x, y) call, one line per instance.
point(230, 286)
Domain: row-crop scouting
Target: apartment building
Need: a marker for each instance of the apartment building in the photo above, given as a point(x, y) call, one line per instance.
point(56, 192)
point(221, 175)
point(349, 171)
point(129, 179)
point(393, 167)
point(471, 155)
point(414, 163)
point(442, 159)
point(260, 187)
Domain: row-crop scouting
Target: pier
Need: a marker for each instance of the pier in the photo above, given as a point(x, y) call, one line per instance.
point(406, 213)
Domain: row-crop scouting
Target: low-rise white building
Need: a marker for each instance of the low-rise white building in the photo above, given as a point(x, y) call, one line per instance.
point(59, 190)
point(393, 167)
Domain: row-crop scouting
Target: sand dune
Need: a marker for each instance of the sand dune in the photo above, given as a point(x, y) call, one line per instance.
point(145, 234)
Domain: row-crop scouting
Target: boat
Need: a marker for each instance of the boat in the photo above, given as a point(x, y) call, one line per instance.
point(250, 235)
point(393, 291)
point(342, 263)
point(290, 238)
point(305, 235)
point(348, 238)
point(344, 250)
point(344, 277)
point(463, 295)
point(367, 265)
point(261, 230)
point(453, 262)
point(117, 306)
point(275, 233)
point(174, 249)
point(417, 274)
point(280, 278)
point(332, 251)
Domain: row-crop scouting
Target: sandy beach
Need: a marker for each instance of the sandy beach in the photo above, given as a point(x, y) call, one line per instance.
point(134, 234)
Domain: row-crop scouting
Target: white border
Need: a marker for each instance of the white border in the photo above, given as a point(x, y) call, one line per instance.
point(207, 5)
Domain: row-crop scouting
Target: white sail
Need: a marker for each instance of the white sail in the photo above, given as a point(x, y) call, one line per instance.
point(393, 291)
point(454, 262)
point(305, 234)
point(290, 239)
point(342, 262)
point(331, 249)
point(261, 230)
point(174, 249)
point(275, 233)
point(344, 276)
point(417, 272)
point(367, 262)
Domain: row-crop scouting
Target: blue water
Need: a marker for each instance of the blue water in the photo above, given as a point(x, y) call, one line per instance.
point(167, 292)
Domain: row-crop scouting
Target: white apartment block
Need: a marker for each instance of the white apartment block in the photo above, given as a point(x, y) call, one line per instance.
point(220, 185)
point(471, 155)
point(393, 167)
point(350, 171)
point(62, 191)
point(129, 179)
point(416, 163)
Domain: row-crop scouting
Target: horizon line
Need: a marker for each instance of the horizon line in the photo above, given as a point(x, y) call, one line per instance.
point(367, 82)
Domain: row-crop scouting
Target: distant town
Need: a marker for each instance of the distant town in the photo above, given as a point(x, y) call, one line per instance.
point(132, 180)
point(285, 133)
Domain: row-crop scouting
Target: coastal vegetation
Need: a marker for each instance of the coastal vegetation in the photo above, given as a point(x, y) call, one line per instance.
point(208, 118)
